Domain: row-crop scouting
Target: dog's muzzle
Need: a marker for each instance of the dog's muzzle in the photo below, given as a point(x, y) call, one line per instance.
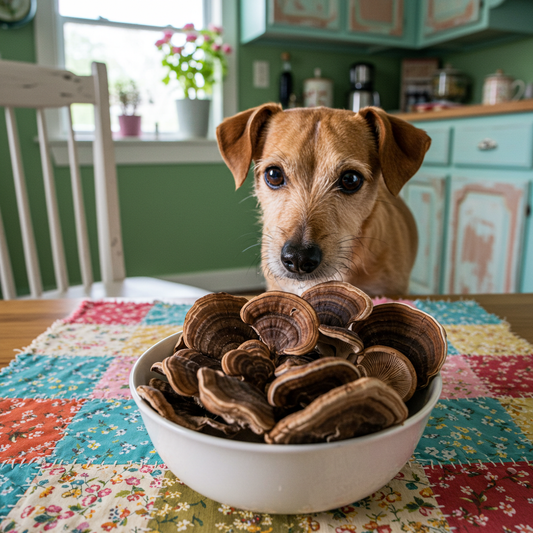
point(301, 258)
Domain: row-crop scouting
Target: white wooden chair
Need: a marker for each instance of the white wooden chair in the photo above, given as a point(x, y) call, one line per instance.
point(32, 86)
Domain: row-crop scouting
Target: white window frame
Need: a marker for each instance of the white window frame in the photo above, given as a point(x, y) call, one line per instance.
point(147, 149)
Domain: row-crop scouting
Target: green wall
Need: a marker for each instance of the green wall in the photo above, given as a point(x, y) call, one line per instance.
point(189, 218)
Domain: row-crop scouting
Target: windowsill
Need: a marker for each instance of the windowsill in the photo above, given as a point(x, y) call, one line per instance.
point(148, 150)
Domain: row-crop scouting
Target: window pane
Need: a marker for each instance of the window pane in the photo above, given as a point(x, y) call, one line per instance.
point(175, 13)
point(128, 54)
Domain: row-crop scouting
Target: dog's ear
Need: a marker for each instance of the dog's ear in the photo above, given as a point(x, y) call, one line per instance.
point(237, 138)
point(401, 147)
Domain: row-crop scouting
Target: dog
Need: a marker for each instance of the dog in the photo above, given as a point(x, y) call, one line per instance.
point(327, 182)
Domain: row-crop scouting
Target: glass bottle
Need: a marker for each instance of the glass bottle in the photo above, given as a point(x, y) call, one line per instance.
point(285, 81)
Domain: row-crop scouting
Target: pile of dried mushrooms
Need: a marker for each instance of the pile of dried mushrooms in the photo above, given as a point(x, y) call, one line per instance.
point(286, 369)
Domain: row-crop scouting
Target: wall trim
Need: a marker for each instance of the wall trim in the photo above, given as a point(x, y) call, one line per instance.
point(228, 280)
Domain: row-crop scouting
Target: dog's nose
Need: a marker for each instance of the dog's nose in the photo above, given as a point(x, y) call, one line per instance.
point(299, 258)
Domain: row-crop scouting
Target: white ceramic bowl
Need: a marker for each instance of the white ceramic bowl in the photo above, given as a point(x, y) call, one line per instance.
point(286, 479)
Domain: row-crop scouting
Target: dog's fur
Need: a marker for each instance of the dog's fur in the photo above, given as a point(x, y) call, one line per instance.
point(368, 238)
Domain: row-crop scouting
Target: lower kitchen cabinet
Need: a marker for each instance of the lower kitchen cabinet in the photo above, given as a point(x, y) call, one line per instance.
point(473, 211)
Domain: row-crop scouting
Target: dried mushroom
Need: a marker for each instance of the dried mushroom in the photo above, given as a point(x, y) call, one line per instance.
point(284, 369)
point(356, 408)
point(338, 303)
point(181, 374)
point(412, 332)
point(286, 323)
point(391, 367)
point(235, 401)
point(213, 325)
point(339, 342)
point(252, 368)
point(303, 384)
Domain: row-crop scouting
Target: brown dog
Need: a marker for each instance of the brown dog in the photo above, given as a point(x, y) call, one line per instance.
point(327, 182)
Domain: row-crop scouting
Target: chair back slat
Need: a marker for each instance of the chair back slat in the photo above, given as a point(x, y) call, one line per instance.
point(105, 180)
point(28, 239)
point(82, 237)
point(7, 283)
point(56, 238)
point(30, 85)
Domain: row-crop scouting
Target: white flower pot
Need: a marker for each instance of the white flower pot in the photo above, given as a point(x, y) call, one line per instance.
point(193, 117)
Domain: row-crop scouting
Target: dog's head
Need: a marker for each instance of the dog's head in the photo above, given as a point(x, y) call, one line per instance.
point(317, 174)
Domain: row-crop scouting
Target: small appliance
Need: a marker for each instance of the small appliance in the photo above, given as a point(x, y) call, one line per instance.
point(362, 93)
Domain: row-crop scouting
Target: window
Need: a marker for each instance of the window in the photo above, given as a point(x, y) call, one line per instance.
point(122, 34)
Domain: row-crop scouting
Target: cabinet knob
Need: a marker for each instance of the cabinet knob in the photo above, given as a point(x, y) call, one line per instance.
point(487, 144)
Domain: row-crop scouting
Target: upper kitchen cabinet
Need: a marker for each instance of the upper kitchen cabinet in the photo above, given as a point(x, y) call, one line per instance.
point(465, 23)
point(339, 22)
point(373, 24)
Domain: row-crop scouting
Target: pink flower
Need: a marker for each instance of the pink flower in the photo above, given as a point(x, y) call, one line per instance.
point(216, 29)
point(50, 525)
point(160, 42)
point(53, 509)
point(146, 469)
point(88, 500)
point(132, 480)
point(191, 37)
point(66, 515)
point(206, 37)
point(104, 492)
point(226, 48)
point(93, 488)
point(133, 497)
point(27, 511)
point(215, 47)
point(167, 36)
point(189, 26)
point(177, 49)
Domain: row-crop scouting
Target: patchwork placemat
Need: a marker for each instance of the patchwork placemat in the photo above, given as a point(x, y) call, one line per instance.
point(75, 456)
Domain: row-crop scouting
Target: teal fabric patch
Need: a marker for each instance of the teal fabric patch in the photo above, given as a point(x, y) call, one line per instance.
point(47, 376)
point(14, 480)
point(162, 314)
point(471, 430)
point(106, 431)
point(463, 312)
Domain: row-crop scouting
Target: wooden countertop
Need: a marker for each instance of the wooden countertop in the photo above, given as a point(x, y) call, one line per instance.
point(467, 111)
point(23, 320)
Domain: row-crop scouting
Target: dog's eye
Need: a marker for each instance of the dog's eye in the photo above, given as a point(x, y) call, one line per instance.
point(351, 181)
point(274, 177)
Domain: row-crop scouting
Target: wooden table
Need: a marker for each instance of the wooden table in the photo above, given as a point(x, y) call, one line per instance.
point(23, 320)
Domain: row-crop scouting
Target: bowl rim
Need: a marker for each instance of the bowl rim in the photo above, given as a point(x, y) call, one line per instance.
point(259, 447)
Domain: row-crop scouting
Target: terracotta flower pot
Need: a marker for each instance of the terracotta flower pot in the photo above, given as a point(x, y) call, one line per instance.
point(130, 125)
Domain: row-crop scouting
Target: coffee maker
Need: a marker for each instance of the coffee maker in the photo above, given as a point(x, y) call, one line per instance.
point(362, 92)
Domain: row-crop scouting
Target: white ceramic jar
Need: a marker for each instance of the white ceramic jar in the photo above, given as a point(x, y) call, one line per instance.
point(318, 91)
point(500, 88)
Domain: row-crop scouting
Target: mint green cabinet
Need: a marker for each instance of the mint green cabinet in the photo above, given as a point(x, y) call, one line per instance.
point(484, 244)
point(373, 24)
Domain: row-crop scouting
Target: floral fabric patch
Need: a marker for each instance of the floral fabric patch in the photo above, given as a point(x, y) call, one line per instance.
point(105, 312)
point(146, 336)
point(488, 339)
point(463, 431)
point(465, 312)
point(163, 314)
point(82, 339)
point(486, 497)
point(82, 497)
point(505, 375)
point(107, 431)
point(459, 380)
point(14, 480)
point(45, 376)
point(32, 427)
point(521, 410)
point(114, 383)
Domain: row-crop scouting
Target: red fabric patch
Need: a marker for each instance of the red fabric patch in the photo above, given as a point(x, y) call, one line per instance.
point(505, 375)
point(499, 497)
point(103, 312)
point(30, 428)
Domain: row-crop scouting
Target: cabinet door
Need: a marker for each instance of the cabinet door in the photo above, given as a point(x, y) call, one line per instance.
point(441, 15)
point(424, 194)
point(380, 17)
point(306, 13)
point(485, 234)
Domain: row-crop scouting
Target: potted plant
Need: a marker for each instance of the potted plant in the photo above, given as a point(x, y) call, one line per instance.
point(196, 65)
point(129, 97)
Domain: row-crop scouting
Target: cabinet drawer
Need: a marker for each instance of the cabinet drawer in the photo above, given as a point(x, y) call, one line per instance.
point(439, 151)
point(507, 144)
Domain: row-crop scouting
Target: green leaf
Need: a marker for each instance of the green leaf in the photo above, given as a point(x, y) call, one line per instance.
point(122, 494)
